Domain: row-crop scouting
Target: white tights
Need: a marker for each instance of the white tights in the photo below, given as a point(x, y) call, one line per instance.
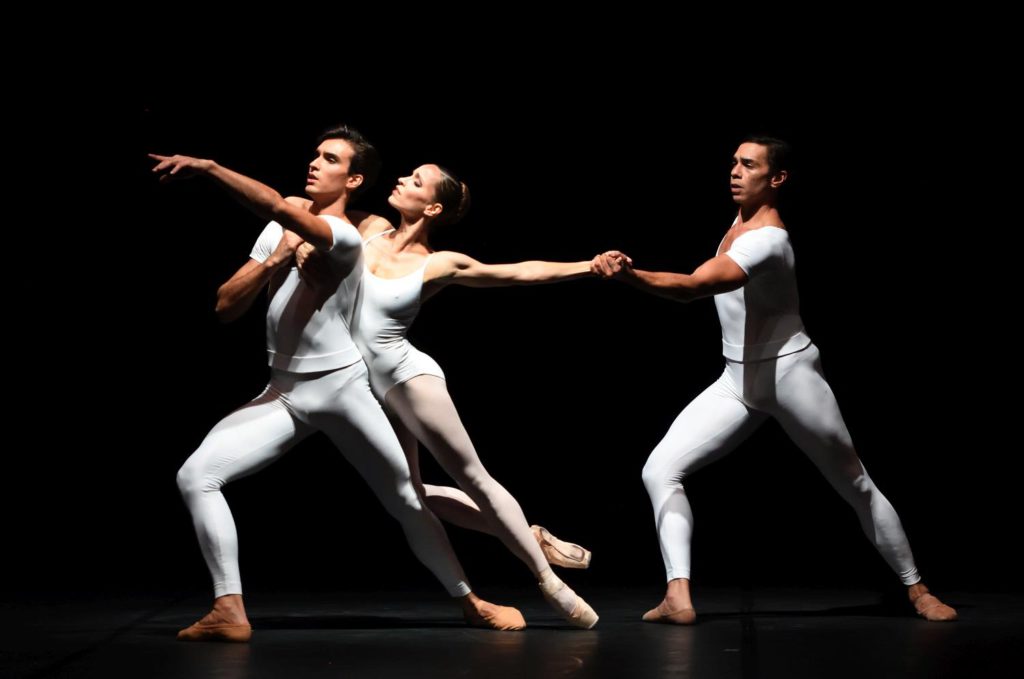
point(292, 407)
point(793, 390)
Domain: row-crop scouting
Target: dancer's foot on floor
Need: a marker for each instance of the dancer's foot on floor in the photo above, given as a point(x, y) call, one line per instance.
point(480, 613)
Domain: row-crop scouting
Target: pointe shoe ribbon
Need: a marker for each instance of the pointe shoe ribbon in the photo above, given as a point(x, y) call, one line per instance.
point(223, 632)
point(683, 616)
point(930, 608)
point(559, 552)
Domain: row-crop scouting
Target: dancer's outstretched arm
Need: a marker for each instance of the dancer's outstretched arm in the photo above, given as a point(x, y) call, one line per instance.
point(456, 268)
point(255, 196)
point(715, 276)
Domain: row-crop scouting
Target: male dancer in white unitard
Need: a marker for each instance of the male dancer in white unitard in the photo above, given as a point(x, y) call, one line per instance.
point(318, 380)
point(772, 369)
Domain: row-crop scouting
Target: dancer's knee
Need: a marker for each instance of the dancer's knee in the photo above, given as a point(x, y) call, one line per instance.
point(404, 504)
point(857, 489)
point(193, 479)
point(476, 482)
point(656, 478)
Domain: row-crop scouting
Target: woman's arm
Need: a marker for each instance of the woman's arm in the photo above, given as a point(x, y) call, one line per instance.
point(454, 267)
point(255, 196)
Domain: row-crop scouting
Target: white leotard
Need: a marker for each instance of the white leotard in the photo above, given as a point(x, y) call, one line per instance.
point(386, 309)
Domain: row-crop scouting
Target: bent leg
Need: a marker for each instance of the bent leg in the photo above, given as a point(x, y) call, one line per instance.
point(426, 408)
point(449, 504)
point(454, 506)
point(242, 443)
point(710, 427)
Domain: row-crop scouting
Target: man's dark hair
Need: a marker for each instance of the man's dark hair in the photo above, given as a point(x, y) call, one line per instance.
point(779, 151)
point(365, 161)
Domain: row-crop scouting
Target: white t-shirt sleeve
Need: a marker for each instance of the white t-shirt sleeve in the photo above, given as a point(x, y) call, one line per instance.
point(756, 251)
point(267, 242)
point(346, 237)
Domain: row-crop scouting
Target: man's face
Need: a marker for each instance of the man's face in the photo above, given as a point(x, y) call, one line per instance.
point(750, 178)
point(328, 171)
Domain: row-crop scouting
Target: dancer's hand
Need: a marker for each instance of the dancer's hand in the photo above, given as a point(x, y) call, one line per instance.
point(285, 249)
point(303, 254)
point(314, 267)
point(179, 167)
point(611, 264)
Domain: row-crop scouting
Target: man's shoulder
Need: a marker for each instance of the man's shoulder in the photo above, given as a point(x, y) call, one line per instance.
point(304, 203)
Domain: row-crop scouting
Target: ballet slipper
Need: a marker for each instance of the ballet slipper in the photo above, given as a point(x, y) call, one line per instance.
point(492, 616)
point(559, 552)
point(573, 608)
point(930, 608)
point(221, 632)
point(660, 614)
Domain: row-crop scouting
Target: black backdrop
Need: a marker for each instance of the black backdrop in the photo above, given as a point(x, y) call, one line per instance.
point(564, 389)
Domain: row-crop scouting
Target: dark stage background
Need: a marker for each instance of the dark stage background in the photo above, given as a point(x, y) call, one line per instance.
point(566, 388)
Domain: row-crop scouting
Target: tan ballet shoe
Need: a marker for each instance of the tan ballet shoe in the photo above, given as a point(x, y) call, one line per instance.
point(492, 616)
point(930, 608)
point(683, 616)
point(201, 632)
point(559, 552)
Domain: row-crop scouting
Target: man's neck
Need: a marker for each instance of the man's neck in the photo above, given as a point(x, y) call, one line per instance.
point(335, 208)
point(753, 216)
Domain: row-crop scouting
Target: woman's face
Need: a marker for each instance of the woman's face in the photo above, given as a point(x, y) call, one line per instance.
point(416, 195)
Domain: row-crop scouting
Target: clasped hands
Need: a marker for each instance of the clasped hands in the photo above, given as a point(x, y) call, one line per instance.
point(611, 264)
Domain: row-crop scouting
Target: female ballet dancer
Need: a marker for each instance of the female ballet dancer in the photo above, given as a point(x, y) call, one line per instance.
point(402, 271)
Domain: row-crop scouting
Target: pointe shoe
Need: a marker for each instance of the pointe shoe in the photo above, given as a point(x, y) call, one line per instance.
point(501, 618)
point(581, 615)
point(683, 616)
point(559, 552)
point(202, 632)
point(931, 609)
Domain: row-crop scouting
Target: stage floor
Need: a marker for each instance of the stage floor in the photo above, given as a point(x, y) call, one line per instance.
point(741, 633)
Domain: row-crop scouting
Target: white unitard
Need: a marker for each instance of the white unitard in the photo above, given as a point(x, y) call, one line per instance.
point(771, 370)
point(424, 407)
point(317, 382)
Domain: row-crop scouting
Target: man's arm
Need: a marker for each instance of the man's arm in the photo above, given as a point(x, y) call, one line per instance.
point(715, 276)
point(236, 295)
point(255, 196)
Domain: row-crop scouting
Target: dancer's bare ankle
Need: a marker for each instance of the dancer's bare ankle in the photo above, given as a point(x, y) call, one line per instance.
point(470, 602)
point(916, 590)
point(227, 610)
point(677, 594)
